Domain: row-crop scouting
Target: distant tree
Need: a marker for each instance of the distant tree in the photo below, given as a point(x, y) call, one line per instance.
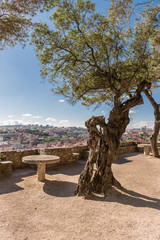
point(16, 19)
point(100, 58)
point(155, 41)
point(154, 136)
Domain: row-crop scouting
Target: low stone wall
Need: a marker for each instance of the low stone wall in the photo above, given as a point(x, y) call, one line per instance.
point(81, 150)
point(128, 147)
point(67, 155)
point(16, 157)
point(13, 159)
point(128, 144)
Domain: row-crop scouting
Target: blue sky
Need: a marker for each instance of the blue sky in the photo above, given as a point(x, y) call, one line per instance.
point(26, 99)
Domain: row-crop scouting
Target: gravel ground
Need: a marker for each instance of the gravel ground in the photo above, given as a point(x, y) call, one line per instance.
point(32, 210)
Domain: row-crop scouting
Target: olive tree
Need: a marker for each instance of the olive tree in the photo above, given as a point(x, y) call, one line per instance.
point(16, 19)
point(100, 58)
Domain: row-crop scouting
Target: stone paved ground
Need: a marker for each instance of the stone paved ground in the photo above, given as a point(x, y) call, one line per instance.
point(32, 210)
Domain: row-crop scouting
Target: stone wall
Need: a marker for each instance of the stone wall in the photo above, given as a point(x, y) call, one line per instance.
point(128, 147)
point(16, 157)
point(125, 147)
point(13, 159)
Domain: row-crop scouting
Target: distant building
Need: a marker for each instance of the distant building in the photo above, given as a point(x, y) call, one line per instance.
point(143, 129)
point(5, 146)
point(5, 136)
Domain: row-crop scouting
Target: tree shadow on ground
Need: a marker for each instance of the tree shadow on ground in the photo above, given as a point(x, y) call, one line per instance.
point(9, 184)
point(127, 197)
point(122, 196)
point(122, 159)
point(12, 187)
point(59, 188)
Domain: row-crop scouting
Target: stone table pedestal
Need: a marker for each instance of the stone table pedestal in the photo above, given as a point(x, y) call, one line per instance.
point(41, 161)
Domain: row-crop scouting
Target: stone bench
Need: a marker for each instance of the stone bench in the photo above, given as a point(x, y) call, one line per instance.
point(5, 169)
point(147, 148)
point(75, 157)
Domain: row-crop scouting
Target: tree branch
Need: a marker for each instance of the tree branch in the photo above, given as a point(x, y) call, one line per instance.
point(86, 42)
point(132, 10)
point(137, 98)
point(150, 98)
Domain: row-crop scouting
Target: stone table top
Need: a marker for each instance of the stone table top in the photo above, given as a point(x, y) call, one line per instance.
point(44, 159)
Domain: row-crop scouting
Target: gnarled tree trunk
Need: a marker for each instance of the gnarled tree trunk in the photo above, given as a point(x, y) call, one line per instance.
point(104, 141)
point(154, 136)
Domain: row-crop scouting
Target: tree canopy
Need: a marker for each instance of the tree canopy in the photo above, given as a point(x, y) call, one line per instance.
point(96, 57)
point(16, 19)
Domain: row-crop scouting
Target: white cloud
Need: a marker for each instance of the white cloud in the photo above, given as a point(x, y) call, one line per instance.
point(61, 100)
point(140, 124)
point(59, 123)
point(36, 117)
point(51, 119)
point(133, 111)
point(64, 123)
point(28, 118)
point(10, 116)
point(11, 122)
point(27, 115)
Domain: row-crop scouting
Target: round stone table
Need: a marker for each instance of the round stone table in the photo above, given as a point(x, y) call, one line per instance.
point(41, 161)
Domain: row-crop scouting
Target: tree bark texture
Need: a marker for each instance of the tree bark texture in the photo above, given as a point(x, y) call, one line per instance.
point(154, 136)
point(104, 141)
